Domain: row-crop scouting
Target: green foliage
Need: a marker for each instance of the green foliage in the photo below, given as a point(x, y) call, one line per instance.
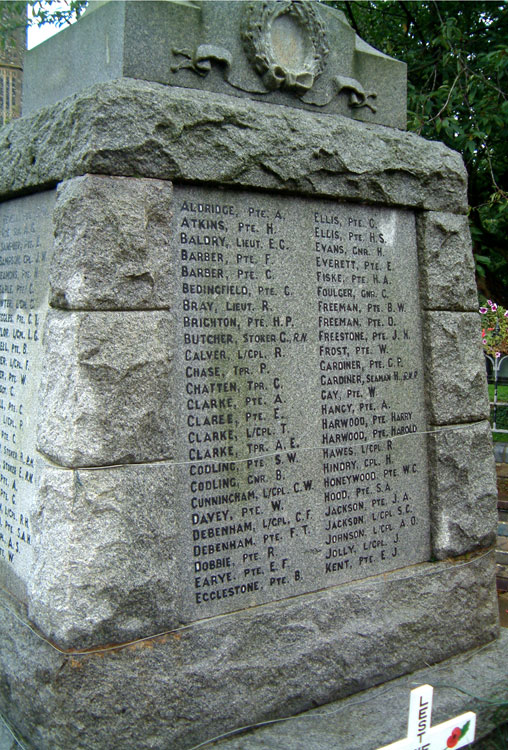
point(457, 57)
point(501, 419)
point(44, 11)
point(12, 20)
point(502, 393)
point(13, 15)
point(499, 437)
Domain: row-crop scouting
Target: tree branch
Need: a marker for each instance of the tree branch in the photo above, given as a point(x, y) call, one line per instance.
point(352, 19)
point(412, 20)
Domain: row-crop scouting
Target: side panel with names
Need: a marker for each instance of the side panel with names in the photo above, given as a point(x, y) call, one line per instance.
point(302, 454)
point(25, 249)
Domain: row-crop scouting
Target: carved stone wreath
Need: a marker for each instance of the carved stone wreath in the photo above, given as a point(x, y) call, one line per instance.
point(286, 44)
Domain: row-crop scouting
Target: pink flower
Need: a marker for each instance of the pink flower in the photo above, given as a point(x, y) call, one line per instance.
point(494, 308)
point(483, 310)
point(506, 314)
point(489, 302)
point(498, 354)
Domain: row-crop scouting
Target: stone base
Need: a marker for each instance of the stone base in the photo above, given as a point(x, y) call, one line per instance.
point(378, 716)
point(7, 741)
point(268, 662)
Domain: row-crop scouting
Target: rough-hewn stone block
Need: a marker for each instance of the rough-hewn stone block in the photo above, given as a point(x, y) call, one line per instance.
point(463, 492)
point(112, 244)
point(232, 402)
point(379, 715)
point(447, 280)
point(115, 578)
point(106, 389)
point(456, 380)
point(141, 129)
point(238, 669)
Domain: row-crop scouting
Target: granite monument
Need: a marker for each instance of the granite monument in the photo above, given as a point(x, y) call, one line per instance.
point(246, 458)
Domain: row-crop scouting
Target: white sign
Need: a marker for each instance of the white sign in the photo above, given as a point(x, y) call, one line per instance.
point(449, 735)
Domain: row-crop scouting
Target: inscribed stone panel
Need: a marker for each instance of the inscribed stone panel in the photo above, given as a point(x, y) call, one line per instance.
point(25, 249)
point(300, 377)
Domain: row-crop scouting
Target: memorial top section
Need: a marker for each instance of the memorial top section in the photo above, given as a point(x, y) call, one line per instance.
point(298, 54)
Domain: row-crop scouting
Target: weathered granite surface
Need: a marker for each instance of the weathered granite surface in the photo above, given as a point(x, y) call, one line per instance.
point(105, 565)
point(457, 384)
point(117, 578)
point(26, 245)
point(7, 741)
point(110, 374)
point(270, 661)
point(112, 244)
point(475, 681)
point(135, 128)
point(447, 279)
point(105, 394)
point(463, 492)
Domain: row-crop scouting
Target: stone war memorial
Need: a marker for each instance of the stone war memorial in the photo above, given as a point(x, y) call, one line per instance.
point(246, 464)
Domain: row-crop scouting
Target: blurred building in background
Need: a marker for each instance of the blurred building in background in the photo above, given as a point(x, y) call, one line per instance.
point(12, 51)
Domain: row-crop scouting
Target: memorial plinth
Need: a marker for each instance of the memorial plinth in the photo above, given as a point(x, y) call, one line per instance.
point(246, 458)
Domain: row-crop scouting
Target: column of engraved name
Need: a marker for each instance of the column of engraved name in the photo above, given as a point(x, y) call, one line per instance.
point(210, 319)
point(342, 340)
point(242, 334)
point(24, 240)
point(363, 335)
point(287, 522)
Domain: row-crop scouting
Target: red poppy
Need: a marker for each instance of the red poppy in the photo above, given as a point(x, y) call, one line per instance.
point(454, 737)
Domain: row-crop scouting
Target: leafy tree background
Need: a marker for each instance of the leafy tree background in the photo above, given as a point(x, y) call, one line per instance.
point(13, 14)
point(457, 58)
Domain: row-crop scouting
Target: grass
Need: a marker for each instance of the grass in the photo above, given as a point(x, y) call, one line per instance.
point(502, 413)
point(498, 740)
point(500, 437)
point(502, 393)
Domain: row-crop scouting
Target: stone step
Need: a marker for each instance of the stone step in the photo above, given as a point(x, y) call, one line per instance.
point(502, 550)
point(501, 452)
point(502, 577)
point(502, 557)
point(503, 609)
